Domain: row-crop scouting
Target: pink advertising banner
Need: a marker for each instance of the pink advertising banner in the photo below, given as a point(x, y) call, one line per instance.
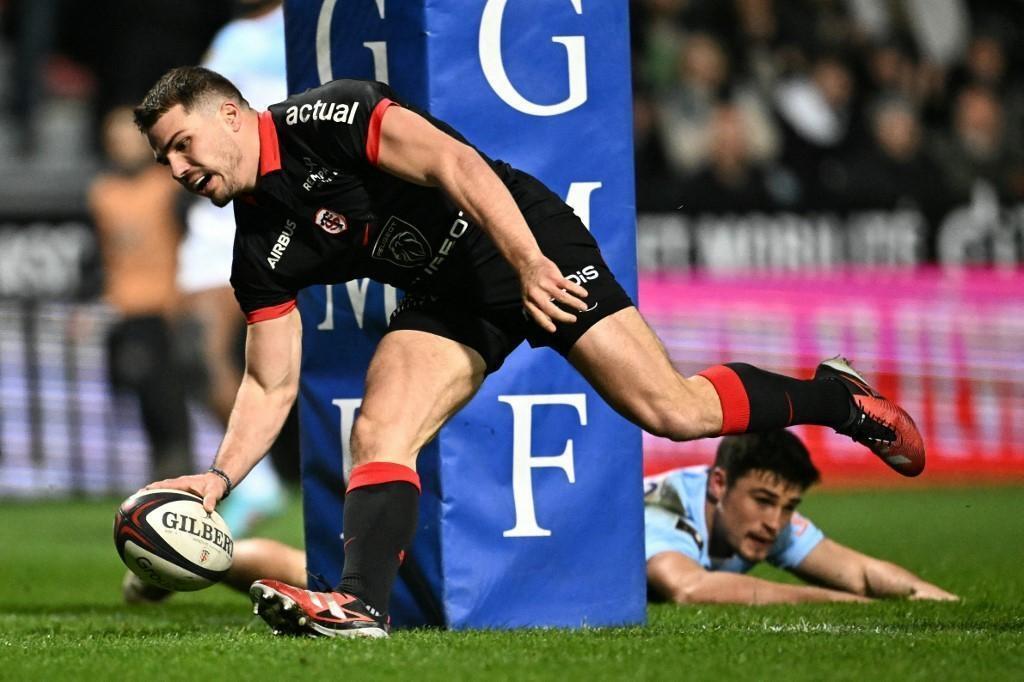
point(948, 345)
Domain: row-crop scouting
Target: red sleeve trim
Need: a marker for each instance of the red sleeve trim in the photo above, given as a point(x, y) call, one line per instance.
point(732, 395)
point(375, 473)
point(270, 312)
point(270, 150)
point(373, 134)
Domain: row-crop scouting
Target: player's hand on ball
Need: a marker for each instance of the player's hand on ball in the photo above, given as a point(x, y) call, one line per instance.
point(208, 486)
point(544, 288)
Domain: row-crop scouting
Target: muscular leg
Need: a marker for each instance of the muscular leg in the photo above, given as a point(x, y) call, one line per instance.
point(415, 382)
point(625, 362)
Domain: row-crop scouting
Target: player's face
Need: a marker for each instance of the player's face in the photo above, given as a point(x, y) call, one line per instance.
point(753, 511)
point(202, 150)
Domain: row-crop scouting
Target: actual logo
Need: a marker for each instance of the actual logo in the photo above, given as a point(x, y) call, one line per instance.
point(331, 222)
point(203, 556)
point(339, 112)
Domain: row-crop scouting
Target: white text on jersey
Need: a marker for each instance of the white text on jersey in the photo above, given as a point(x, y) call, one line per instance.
point(283, 240)
point(320, 110)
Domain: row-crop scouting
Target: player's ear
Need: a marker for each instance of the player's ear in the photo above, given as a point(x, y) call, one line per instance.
point(232, 114)
point(718, 481)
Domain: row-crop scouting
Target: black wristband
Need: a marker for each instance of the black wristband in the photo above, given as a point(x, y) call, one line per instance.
point(226, 479)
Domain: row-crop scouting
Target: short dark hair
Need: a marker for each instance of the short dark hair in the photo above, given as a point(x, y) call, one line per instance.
point(778, 452)
point(184, 85)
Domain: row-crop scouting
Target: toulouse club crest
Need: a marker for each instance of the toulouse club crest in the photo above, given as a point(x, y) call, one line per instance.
point(331, 222)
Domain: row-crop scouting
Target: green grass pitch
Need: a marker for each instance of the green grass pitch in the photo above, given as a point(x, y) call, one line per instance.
point(61, 615)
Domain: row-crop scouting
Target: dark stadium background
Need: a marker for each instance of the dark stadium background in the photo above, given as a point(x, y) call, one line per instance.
point(813, 176)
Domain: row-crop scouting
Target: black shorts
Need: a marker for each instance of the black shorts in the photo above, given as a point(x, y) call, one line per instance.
point(486, 311)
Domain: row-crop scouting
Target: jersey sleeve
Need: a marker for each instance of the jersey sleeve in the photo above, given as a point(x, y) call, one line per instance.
point(342, 119)
point(260, 295)
point(795, 542)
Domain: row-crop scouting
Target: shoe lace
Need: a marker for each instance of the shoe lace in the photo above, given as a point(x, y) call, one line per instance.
point(870, 429)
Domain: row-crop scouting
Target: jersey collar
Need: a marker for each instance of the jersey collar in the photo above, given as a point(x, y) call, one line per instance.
point(270, 150)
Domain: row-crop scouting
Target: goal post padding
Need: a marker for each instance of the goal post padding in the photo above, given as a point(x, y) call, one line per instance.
point(531, 512)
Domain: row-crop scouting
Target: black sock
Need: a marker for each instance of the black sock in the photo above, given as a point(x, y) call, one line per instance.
point(379, 524)
point(754, 400)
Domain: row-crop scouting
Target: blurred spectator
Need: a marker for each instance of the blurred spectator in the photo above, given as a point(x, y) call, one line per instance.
point(655, 181)
point(134, 207)
point(938, 28)
point(891, 70)
point(986, 65)
point(731, 180)
point(685, 109)
point(896, 170)
point(976, 148)
point(819, 125)
point(657, 36)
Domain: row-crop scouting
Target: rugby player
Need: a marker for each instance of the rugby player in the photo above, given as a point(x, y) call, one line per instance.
point(348, 180)
point(706, 527)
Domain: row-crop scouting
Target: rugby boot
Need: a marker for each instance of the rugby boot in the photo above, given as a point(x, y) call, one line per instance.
point(303, 613)
point(879, 424)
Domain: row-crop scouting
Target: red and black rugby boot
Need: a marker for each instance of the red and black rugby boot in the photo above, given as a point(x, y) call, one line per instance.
point(875, 422)
point(292, 611)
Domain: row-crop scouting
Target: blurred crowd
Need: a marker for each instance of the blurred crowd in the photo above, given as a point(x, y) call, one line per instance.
point(176, 334)
point(105, 52)
point(748, 105)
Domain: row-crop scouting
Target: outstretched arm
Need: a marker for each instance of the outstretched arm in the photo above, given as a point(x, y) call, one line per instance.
point(682, 580)
point(272, 355)
point(837, 566)
point(414, 149)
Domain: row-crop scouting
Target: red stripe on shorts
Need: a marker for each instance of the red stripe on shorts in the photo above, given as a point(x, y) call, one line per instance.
point(270, 312)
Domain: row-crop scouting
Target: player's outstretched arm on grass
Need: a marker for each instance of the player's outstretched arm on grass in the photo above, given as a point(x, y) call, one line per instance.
point(269, 385)
point(263, 558)
point(837, 566)
point(682, 580)
point(414, 149)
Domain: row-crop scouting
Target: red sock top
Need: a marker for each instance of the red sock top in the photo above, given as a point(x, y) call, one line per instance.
point(375, 473)
point(733, 396)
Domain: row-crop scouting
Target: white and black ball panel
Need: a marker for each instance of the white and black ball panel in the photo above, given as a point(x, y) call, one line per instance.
point(160, 572)
point(167, 539)
point(189, 533)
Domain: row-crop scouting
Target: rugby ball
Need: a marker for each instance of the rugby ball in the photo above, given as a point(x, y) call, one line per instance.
point(167, 539)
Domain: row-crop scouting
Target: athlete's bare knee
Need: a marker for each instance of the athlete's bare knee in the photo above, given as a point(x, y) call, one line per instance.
point(672, 421)
point(365, 440)
point(681, 414)
point(379, 441)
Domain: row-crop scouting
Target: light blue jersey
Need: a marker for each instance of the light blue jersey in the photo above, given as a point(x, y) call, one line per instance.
point(674, 522)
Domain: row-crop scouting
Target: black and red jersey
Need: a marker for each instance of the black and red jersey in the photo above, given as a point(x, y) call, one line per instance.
point(323, 212)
